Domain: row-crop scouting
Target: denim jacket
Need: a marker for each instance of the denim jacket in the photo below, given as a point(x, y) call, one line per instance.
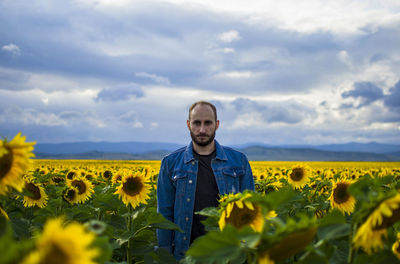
point(177, 185)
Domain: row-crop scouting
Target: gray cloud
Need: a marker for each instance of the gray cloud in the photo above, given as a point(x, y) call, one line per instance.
point(289, 112)
point(366, 91)
point(12, 80)
point(120, 93)
point(153, 77)
point(393, 99)
point(71, 50)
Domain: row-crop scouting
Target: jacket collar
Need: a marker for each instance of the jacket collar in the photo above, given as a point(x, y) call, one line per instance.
point(188, 154)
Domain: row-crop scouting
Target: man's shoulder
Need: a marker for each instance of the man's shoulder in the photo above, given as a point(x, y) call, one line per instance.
point(232, 151)
point(175, 153)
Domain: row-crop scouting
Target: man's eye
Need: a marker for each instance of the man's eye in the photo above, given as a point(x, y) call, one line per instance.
point(208, 123)
point(196, 123)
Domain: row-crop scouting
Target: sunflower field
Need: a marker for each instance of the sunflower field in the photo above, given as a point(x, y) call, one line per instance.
point(87, 211)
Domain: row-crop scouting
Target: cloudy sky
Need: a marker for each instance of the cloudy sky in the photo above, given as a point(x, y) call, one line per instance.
point(279, 72)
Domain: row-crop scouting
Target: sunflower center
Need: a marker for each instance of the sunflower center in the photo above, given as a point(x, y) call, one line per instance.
point(242, 216)
point(107, 174)
point(80, 185)
point(340, 194)
point(56, 255)
point(297, 174)
point(33, 190)
point(6, 163)
point(57, 179)
point(70, 195)
point(71, 175)
point(389, 221)
point(132, 186)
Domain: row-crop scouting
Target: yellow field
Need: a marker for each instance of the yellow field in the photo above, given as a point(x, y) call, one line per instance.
point(254, 164)
point(342, 200)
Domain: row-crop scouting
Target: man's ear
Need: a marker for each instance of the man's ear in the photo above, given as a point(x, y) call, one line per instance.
point(188, 124)
point(217, 125)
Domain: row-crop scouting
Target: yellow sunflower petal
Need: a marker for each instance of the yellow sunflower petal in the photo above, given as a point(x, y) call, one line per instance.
point(249, 205)
point(239, 204)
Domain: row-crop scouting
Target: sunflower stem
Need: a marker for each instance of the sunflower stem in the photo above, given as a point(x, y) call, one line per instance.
point(99, 215)
point(130, 228)
point(350, 258)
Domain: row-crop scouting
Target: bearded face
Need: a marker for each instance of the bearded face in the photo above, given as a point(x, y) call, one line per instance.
point(202, 125)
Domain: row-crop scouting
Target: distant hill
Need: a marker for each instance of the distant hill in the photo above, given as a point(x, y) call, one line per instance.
point(144, 147)
point(254, 153)
point(397, 153)
point(257, 153)
point(371, 147)
point(86, 147)
point(361, 147)
point(97, 155)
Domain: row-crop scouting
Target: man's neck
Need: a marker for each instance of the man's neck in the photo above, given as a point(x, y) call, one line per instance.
point(206, 150)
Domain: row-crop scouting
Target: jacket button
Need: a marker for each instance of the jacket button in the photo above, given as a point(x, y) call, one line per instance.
point(188, 200)
point(193, 162)
point(184, 238)
point(190, 181)
point(187, 218)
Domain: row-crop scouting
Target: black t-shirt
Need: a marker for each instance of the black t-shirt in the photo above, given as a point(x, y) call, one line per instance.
point(206, 192)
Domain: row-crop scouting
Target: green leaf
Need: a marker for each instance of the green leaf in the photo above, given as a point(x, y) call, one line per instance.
point(217, 247)
point(209, 212)
point(164, 256)
point(11, 251)
point(157, 220)
point(280, 197)
point(334, 217)
point(125, 237)
point(341, 253)
point(384, 256)
point(333, 231)
point(105, 249)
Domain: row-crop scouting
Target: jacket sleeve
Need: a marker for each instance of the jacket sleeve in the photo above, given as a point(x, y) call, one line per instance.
point(165, 205)
point(247, 181)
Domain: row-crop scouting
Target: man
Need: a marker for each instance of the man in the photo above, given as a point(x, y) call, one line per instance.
point(193, 177)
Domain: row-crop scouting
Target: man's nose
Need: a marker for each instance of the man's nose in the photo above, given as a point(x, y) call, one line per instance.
point(202, 128)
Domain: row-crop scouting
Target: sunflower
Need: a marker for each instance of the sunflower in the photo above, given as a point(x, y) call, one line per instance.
point(117, 177)
point(14, 160)
point(72, 174)
point(298, 176)
point(107, 175)
point(71, 195)
point(133, 189)
point(61, 244)
point(148, 172)
point(292, 244)
point(90, 176)
point(57, 180)
point(240, 212)
point(371, 233)
point(340, 197)
point(37, 195)
point(396, 247)
point(84, 187)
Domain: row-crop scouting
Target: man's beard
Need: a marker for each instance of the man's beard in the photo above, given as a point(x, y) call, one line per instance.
point(203, 143)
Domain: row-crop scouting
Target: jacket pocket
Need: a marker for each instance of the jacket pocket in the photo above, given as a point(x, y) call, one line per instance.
point(232, 178)
point(179, 180)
